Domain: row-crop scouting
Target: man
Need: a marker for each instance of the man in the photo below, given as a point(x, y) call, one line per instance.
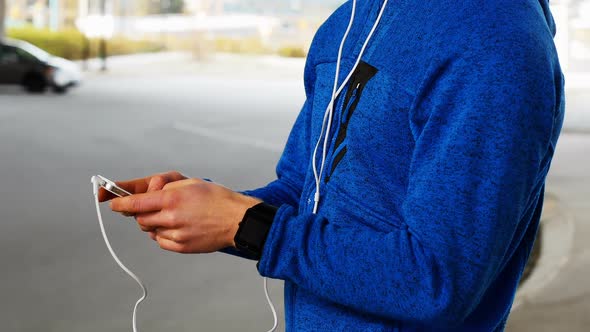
point(433, 180)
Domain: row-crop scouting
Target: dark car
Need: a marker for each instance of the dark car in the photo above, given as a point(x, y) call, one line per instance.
point(36, 70)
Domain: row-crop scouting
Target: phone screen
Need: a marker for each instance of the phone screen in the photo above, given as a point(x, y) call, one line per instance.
point(112, 187)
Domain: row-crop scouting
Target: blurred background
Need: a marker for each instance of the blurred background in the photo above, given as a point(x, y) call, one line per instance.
point(127, 88)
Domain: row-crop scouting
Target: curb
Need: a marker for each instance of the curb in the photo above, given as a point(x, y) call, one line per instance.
point(557, 244)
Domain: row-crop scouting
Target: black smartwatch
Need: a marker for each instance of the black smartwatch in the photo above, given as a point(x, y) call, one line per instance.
point(254, 229)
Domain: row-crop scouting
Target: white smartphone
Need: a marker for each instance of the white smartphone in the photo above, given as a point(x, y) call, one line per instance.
point(111, 186)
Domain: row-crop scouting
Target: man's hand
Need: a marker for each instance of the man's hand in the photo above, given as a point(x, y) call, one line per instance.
point(142, 185)
point(187, 216)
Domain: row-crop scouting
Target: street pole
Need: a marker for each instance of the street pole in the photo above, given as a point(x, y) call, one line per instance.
point(2, 18)
point(102, 47)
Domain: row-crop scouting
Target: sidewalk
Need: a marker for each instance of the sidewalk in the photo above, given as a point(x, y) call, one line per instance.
point(239, 66)
point(556, 240)
point(218, 64)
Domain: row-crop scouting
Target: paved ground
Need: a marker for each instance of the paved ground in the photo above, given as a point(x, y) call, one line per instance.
point(561, 300)
point(57, 274)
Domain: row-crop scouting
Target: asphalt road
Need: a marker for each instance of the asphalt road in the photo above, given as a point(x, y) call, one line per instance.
point(56, 272)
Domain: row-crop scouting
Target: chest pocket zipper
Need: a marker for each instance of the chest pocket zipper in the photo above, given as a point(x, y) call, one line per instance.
point(362, 75)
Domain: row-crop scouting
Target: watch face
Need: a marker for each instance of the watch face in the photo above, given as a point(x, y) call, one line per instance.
point(253, 233)
point(254, 229)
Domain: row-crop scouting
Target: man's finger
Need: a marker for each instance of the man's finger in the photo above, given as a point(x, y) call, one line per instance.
point(170, 245)
point(149, 222)
point(156, 221)
point(140, 203)
point(147, 229)
point(158, 181)
point(171, 234)
point(182, 183)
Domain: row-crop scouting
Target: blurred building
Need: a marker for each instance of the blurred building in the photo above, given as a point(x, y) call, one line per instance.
point(60, 14)
point(42, 13)
point(579, 39)
point(274, 21)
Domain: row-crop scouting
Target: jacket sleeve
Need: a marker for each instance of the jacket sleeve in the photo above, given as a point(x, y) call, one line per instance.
point(482, 130)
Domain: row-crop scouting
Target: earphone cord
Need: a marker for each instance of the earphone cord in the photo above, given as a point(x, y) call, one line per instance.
point(271, 305)
point(123, 267)
point(328, 115)
point(140, 283)
point(335, 92)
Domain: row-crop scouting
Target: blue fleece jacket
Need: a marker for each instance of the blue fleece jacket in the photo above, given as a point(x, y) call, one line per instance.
point(435, 173)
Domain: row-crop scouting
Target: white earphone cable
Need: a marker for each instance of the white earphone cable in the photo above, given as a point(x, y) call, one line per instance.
point(108, 243)
point(272, 307)
point(330, 109)
point(96, 186)
point(329, 113)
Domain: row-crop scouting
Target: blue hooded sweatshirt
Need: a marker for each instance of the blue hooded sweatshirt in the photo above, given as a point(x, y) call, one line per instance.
point(435, 171)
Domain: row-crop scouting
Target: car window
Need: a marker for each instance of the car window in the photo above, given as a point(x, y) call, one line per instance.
point(24, 55)
point(8, 55)
point(33, 52)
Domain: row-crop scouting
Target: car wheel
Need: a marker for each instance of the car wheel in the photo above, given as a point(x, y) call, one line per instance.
point(60, 89)
point(35, 84)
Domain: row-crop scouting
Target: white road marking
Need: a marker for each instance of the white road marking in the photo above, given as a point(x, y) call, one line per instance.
point(228, 138)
